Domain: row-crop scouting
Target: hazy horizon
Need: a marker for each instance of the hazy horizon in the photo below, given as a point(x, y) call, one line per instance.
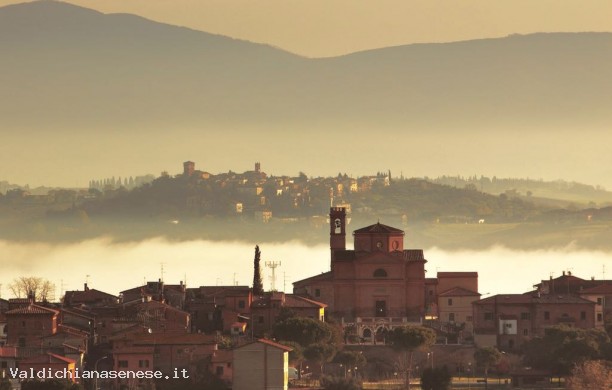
point(223, 263)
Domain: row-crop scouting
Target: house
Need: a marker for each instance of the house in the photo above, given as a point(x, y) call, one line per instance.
point(169, 351)
point(261, 365)
point(52, 365)
point(508, 320)
point(29, 325)
point(266, 309)
point(88, 297)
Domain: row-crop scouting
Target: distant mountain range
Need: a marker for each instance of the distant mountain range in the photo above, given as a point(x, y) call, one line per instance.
point(69, 66)
point(84, 94)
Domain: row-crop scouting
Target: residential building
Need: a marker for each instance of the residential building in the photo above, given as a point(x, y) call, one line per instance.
point(261, 365)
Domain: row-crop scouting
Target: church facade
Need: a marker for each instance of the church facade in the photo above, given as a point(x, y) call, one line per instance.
point(376, 279)
point(380, 284)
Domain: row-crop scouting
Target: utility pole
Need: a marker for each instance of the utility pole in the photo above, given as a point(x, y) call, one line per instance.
point(273, 265)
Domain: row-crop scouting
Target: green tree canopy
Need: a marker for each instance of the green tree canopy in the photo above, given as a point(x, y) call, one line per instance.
point(304, 331)
point(563, 347)
point(350, 358)
point(320, 353)
point(487, 357)
point(411, 338)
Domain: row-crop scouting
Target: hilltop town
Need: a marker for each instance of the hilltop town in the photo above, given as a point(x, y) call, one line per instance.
point(350, 323)
point(196, 204)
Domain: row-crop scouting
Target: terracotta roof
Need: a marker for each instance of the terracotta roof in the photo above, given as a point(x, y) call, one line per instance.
point(87, 296)
point(322, 276)
point(532, 297)
point(47, 358)
point(378, 228)
point(292, 300)
point(167, 338)
point(458, 292)
point(414, 255)
point(275, 345)
point(604, 289)
point(32, 309)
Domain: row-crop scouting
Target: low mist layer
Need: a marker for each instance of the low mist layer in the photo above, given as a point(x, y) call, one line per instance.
point(112, 267)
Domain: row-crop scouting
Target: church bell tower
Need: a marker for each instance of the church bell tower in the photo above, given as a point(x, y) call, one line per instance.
point(337, 230)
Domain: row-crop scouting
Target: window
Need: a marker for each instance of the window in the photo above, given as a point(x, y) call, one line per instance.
point(583, 315)
point(143, 363)
point(23, 324)
point(241, 304)
point(450, 301)
point(317, 292)
point(260, 320)
point(525, 316)
point(599, 317)
point(468, 318)
point(219, 371)
point(430, 293)
point(451, 317)
point(547, 315)
point(123, 363)
point(525, 332)
point(4, 364)
point(488, 316)
point(22, 342)
point(510, 344)
point(380, 273)
point(599, 301)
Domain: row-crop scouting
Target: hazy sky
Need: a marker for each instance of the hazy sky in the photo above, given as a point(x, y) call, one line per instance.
point(330, 27)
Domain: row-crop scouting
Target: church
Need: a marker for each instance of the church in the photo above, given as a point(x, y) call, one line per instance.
point(381, 282)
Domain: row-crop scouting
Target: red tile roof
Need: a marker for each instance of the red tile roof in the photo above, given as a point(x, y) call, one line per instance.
point(32, 309)
point(458, 292)
point(274, 344)
point(47, 358)
point(378, 228)
point(603, 289)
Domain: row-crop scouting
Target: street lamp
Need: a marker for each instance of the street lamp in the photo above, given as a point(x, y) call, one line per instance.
point(96, 370)
point(432, 362)
point(469, 373)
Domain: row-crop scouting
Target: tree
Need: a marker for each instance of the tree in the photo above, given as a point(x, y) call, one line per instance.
point(257, 283)
point(50, 384)
point(304, 331)
point(435, 378)
point(31, 286)
point(320, 353)
point(350, 359)
point(407, 339)
point(487, 357)
point(562, 348)
point(592, 374)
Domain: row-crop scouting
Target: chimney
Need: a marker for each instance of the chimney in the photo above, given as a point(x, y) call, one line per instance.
point(563, 273)
point(85, 288)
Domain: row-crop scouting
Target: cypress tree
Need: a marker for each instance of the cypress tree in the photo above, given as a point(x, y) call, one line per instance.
point(257, 283)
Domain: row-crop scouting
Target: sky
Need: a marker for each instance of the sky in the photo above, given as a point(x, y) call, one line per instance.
point(321, 28)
